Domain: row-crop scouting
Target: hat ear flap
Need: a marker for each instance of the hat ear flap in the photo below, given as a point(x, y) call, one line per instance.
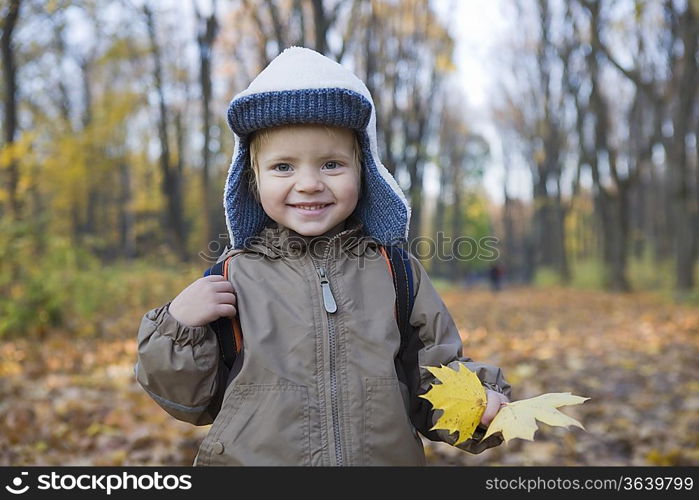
point(250, 180)
point(244, 215)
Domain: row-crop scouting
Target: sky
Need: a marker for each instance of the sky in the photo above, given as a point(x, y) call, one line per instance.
point(480, 27)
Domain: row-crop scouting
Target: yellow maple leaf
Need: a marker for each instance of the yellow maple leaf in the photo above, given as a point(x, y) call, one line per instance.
point(518, 419)
point(460, 396)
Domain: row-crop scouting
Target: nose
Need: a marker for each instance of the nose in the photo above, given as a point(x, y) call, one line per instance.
point(309, 181)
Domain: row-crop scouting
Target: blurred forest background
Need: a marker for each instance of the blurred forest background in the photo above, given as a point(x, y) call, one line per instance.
point(113, 156)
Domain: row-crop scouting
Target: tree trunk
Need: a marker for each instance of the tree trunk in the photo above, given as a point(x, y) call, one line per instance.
point(206, 36)
point(416, 162)
point(549, 224)
point(508, 259)
point(620, 241)
point(541, 232)
point(126, 219)
point(171, 186)
point(298, 12)
point(320, 26)
point(559, 241)
point(456, 224)
point(9, 72)
point(614, 208)
point(685, 200)
point(439, 221)
point(276, 24)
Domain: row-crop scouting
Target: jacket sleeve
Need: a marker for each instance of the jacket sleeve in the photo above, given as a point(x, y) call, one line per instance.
point(436, 342)
point(178, 366)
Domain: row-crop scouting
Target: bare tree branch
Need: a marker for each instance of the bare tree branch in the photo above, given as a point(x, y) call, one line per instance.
point(349, 30)
point(276, 23)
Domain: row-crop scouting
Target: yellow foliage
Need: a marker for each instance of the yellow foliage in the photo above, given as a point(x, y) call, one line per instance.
point(18, 150)
point(518, 419)
point(79, 163)
point(694, 4)
point(461, 398)
point(445, 64)
point(51, 6)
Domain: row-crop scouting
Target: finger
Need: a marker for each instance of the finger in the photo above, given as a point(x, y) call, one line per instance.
point(222, 286)
point(226, 298)
point(214, 278)
point(226, 310)
point(491, 410)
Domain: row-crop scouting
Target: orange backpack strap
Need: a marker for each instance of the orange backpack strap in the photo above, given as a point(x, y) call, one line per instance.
point(237, 332)
point(228, 331)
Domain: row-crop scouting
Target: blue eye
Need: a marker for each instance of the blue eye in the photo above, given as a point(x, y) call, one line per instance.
point(282, 167)
point(332, 165)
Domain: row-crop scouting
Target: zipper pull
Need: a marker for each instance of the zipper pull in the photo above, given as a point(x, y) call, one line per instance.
point(328, 299)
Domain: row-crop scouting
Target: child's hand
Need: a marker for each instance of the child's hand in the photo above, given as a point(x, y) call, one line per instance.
point(495, 401)
point(204, 301)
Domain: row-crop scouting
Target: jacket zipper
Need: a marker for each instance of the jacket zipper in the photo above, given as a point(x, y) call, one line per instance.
point(330, 308)
point(328, 299)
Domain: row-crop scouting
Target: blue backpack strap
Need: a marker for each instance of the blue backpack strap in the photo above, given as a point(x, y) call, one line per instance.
point(215, 269)
point(403, 283)
point(407, 362)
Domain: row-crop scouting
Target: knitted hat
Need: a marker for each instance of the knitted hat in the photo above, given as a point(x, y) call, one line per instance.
point(303, 86)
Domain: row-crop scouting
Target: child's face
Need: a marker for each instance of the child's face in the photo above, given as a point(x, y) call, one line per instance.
point(308, 179)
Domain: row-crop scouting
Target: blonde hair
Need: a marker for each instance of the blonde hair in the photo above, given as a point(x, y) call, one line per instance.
point(260, 137)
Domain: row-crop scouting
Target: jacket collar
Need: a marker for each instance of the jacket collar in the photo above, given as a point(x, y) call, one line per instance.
point(277, 241)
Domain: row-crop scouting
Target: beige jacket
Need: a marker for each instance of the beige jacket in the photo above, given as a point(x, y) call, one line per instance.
point(310, 387)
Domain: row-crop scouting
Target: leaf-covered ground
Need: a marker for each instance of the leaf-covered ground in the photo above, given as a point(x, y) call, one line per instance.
point(67, 401)
point(636, 357)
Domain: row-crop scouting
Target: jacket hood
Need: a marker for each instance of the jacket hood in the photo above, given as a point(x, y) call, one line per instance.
point(303, 86)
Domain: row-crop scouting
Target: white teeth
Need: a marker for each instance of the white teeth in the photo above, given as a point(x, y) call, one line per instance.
point(314, 207)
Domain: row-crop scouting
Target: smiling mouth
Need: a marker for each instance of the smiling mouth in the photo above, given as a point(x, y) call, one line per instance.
point(312, 208)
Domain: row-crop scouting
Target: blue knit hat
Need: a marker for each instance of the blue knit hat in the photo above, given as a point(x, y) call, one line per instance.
point(303, 86)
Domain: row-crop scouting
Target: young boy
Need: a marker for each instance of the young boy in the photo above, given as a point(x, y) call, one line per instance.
point(308, 205)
